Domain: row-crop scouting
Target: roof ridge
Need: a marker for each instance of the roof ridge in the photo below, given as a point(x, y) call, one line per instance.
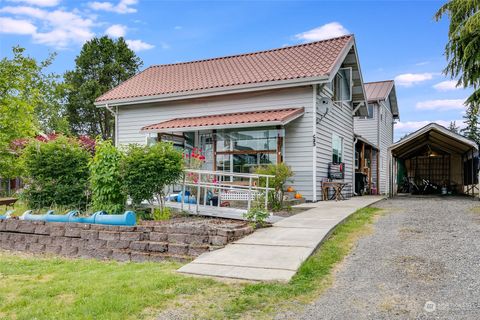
point(379, 81)
point(250, 53)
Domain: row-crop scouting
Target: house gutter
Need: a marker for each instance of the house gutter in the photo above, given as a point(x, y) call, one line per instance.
point(115, 116)
point(214, 92)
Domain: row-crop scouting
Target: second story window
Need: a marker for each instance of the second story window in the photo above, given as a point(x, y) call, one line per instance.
point(370, 111)
point(342, 85)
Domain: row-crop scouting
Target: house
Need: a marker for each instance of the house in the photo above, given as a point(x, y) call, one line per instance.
point(375, 134)
point(293, 104)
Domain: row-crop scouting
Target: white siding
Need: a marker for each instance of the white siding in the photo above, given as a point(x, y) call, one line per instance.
point(379, 131)
point(338, 120)
point(386, 140)
point(298, 140)
point(368, 127)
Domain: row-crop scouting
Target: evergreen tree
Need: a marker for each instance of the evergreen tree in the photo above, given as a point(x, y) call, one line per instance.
point(102, 64)
point(463, 55)
point(453, 127)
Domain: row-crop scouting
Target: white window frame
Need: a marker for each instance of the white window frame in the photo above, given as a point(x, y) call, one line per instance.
point(341, 144)
point(349, 74)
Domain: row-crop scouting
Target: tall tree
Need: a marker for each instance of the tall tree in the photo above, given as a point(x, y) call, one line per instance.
point(463, 55)
point(27, 94)
point(102, 64)
point(453, 127)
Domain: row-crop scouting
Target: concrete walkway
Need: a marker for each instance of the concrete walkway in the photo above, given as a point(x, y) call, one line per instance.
point(276, 253)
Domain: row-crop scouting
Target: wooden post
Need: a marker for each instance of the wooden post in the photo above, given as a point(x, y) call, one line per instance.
point(370, 170)
point(473, 185)
point(266, 194)
point(183, 191)
point(249, 201)
point(378, 171)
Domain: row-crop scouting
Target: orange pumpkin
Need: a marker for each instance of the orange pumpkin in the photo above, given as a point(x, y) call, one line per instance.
point(290, 189)
point(298, 196)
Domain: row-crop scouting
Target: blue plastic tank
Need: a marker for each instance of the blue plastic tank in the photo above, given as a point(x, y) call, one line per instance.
point(127, 219)
point(51, 217)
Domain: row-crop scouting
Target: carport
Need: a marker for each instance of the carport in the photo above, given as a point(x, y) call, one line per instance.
point(432, 160)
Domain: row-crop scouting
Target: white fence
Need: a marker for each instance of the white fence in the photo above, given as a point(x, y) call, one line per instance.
point(222, 185)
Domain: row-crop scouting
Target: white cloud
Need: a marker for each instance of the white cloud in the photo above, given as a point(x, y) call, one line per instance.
point(409, 79)
point(122, 7)
point(15, 26)
point(39, 3)
point(422, 63)
point(448, 85)
point(57, 28)
point(139, 45)
point(441, 105)
point(178, 27)
point(402, 128)
point(116, 31)
point(329, 30)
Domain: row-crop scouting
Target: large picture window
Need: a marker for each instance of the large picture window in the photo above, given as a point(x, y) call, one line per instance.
point(242, 150)
point(337, 148)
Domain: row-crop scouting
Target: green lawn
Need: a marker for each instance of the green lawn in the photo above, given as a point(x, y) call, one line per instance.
point(33, 287)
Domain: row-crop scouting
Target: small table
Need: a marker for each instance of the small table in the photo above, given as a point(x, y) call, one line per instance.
point(337, 188)
point(8, 202)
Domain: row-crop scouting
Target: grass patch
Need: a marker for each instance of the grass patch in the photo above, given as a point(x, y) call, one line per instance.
point(33, 287)
point(314, 276)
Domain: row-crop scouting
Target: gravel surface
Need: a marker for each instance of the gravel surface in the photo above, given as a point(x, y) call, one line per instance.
point(425, 249)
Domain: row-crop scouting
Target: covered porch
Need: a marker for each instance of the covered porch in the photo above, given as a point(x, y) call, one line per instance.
point(367, 171)
point(234, 142)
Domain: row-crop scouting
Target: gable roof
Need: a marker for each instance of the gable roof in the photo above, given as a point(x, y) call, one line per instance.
point(313, 61)
point(378, 90)
point(382, 90)
point(435, 135)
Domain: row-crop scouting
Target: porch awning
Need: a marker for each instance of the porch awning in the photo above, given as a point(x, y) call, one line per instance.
point(228, 120)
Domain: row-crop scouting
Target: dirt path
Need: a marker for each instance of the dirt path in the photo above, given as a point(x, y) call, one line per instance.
point(422, 262)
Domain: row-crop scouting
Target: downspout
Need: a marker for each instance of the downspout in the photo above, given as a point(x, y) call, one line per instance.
point(115, 116)
point(379, 148)
point(314, 143)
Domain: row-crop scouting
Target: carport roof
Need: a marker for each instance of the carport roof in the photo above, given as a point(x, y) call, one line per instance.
point(433, 135)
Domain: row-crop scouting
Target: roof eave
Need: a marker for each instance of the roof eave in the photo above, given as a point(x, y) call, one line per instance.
point(215, 91)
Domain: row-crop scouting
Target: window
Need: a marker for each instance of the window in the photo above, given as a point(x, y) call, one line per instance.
point(337, 148)
point(342, 85)
point(242, 150)
point(370, 111)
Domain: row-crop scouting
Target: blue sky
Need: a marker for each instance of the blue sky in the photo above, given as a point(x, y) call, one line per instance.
point(396, 39)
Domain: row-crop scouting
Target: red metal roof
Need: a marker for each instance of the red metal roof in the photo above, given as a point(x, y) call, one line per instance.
point(378, 90)
point(273, 117)
point(315, 59)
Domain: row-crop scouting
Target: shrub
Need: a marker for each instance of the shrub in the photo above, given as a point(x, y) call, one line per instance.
point(283, 174)
point(56, 173)
point(105, 179)
point(257, 216)
point(160, 215)
point(149, 170)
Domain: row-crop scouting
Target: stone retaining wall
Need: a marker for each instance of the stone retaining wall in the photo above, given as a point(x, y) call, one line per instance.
point(180, 240)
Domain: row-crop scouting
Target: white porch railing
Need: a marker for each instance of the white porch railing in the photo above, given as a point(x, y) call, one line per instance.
point(221, 184)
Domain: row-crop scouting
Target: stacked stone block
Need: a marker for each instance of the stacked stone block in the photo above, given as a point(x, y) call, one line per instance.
point(178, 240)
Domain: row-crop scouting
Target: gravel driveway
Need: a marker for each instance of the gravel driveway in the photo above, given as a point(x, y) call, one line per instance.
point(423, 250)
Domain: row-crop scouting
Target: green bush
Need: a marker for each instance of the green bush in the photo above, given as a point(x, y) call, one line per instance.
point(283, 174)
point(257, 216)
point(149, 170)
point(56, 173)
point(160, 215)
point(105, 179)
